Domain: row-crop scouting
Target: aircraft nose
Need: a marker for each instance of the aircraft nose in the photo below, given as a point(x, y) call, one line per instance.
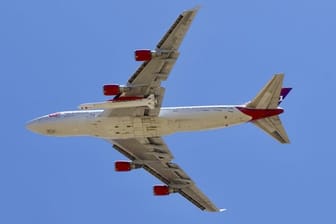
point(42, 125)
point(34, 126)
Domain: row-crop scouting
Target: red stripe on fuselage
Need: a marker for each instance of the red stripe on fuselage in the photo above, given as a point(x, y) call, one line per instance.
point(260, 113)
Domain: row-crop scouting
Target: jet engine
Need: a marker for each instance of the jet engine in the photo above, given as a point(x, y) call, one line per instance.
point(144, 55)
point(113, 89)
point(123, 166)
point(161, 190)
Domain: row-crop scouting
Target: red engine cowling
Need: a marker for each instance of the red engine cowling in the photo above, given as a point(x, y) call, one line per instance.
point(122, 166)
point(161, 190)
point(111, 90)
point(143, 55)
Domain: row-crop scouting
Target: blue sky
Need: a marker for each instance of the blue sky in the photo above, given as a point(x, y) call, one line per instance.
point(55, 55)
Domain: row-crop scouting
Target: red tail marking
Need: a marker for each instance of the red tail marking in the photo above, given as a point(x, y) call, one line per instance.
point(260, 113)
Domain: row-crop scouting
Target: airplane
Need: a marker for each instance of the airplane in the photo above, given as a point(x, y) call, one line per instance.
point(134, 122)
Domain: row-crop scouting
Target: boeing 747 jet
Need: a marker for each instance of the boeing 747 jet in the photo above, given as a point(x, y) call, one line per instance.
point(134, 122)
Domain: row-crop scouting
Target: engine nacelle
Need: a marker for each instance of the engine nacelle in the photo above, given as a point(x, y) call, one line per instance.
point(161, 190)
point(113, 89)
point(123, 166)
point(144, 55)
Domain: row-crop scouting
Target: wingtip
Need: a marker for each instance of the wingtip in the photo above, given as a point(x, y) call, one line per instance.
point(194, 9)
point(279, 74)
point(197, 7)
point(216, 210)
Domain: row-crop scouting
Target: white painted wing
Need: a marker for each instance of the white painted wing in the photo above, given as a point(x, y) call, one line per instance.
point(155, 157)
point(148, 77)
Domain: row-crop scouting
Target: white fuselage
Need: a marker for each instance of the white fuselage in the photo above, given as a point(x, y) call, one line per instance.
point(170, 120)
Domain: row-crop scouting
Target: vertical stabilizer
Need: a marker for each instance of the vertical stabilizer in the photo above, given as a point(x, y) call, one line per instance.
point(268, 97)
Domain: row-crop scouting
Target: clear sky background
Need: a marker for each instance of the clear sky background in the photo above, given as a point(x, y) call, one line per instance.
point(55, 55)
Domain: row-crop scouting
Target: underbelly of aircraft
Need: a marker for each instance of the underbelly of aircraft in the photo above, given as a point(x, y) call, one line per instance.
point(137, 127)
point(129, 127)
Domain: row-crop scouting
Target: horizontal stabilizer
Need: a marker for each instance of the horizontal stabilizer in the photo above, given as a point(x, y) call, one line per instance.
point(273, 127)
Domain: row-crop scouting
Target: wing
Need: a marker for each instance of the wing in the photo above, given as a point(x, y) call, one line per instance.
point(153, 155)
point(148, 77)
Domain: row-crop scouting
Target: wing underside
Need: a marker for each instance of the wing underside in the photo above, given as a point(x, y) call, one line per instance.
point(155, 157)
point(148, 77)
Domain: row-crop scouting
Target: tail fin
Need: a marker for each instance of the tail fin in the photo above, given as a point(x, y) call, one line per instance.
point(269, 98)
point(284, 92)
